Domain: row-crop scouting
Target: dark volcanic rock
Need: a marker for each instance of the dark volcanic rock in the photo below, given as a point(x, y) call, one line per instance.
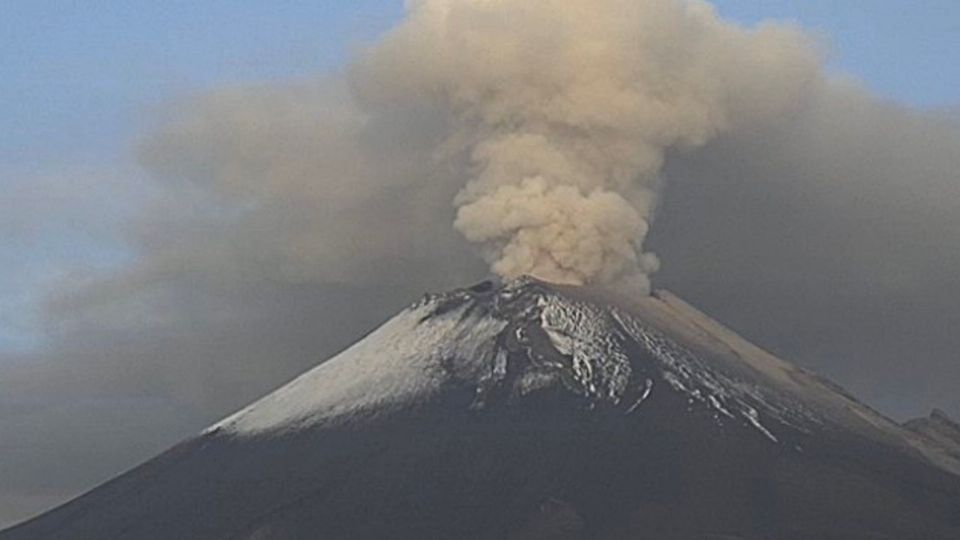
point(529, 411)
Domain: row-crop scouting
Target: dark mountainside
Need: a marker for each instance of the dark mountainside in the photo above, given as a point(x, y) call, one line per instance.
point(534, 411)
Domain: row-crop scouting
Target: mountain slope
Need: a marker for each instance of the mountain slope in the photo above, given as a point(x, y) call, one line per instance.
point(938, 430)
point(530, 410)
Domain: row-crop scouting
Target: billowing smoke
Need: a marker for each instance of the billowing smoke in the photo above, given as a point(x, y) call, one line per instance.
point(565, 110)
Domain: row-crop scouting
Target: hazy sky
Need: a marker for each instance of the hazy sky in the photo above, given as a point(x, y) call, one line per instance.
point(81, 83)
point(81, 88)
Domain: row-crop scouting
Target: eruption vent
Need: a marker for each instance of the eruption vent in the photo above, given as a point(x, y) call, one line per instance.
point(566, 110)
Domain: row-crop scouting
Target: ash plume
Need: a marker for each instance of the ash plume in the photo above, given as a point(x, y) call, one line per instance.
point(565, 110)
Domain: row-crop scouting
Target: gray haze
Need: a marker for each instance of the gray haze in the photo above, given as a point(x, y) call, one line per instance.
point(285, 221)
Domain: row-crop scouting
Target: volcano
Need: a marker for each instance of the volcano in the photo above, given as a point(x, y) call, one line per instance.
point(525, 410)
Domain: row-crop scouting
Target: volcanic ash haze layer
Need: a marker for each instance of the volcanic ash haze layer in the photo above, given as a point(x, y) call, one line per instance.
point(565, 110)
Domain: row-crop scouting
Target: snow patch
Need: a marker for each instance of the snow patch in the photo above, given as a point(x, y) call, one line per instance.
point(405, 360)
point(458, 338)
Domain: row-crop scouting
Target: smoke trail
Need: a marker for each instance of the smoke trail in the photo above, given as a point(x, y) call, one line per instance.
point(567, 108)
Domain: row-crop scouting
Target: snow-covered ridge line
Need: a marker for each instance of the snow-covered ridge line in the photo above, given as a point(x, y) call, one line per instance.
point(507, 342)
point(513, 340)
point(398, 363)
point(596, 335)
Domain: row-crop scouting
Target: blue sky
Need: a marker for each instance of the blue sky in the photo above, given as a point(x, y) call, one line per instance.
point(79, 83)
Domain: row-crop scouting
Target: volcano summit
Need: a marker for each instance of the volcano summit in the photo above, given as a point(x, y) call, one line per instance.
point(527, 410)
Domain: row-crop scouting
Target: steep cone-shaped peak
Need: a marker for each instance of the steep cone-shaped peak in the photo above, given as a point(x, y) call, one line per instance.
point(586, 348)
point(525, 410)
point(524, 340)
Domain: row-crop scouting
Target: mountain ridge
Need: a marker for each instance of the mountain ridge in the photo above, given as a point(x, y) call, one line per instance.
point(532, 410)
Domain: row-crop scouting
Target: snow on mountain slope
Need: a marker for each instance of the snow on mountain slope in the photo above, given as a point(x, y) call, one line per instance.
point(397, 364)
point(729, 351)
point(466, 336)
point(608, 350)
